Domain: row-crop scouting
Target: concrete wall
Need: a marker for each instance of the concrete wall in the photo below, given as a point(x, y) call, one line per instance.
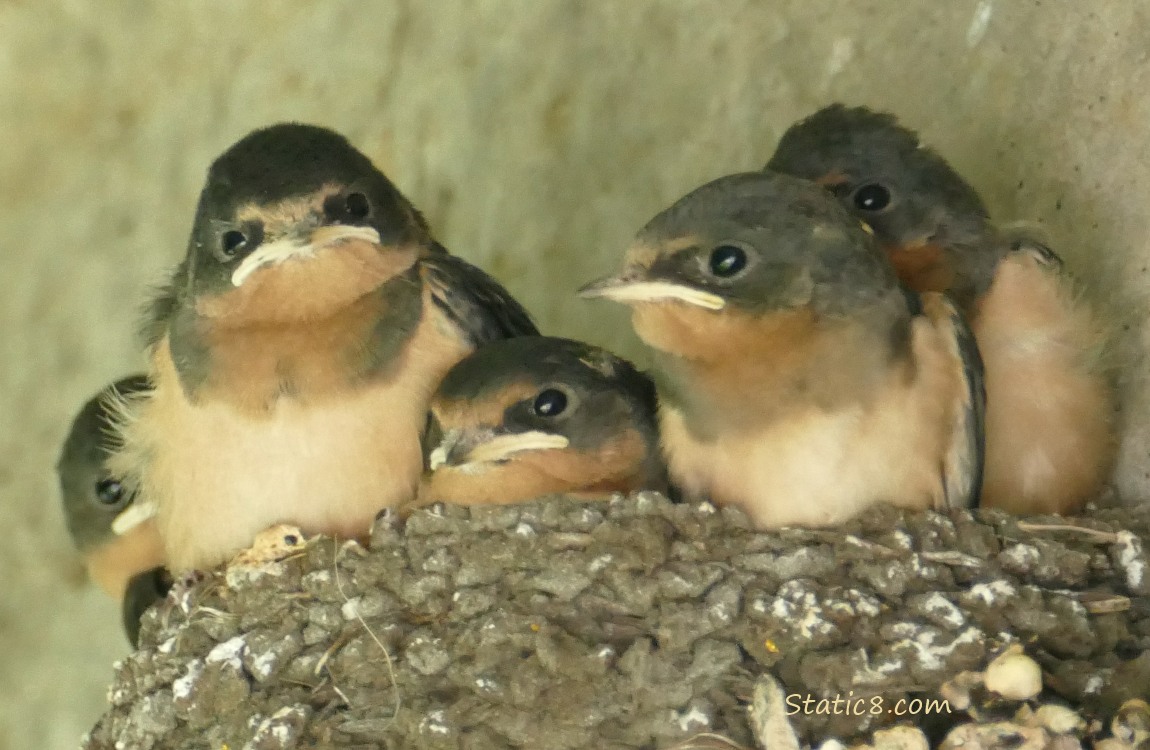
point(537, 135)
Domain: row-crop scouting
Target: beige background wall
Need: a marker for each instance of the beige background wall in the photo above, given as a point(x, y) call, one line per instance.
point(536, 134)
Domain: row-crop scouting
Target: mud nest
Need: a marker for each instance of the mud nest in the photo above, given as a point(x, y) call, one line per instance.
point(636, 623)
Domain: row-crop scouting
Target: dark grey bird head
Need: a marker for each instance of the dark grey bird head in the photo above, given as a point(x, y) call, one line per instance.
point(544, 405)
point(294, 221)
point(933, 223)
point(756, 244)
point(97, 505)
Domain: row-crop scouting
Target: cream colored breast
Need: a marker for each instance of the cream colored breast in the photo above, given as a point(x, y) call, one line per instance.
point(817, 468)
point(327, 465)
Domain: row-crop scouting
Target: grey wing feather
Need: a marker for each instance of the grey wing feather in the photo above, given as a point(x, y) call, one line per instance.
point(158, 311)
point(474, 301)
point(965, 460)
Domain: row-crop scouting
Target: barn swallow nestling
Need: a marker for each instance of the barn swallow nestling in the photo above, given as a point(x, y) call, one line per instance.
point(797, 378)
point(296, 348)
point(109, 526)
point(537, 415)
point(1049, 423)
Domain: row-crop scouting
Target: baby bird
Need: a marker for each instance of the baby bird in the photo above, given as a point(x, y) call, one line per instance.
point(1050, 440)
point(109, 526)
point(295, 351)
point(796, 378)
point(533, 416)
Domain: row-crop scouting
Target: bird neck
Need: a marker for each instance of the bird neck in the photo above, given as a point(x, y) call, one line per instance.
point(805, 362)
point(254, 366)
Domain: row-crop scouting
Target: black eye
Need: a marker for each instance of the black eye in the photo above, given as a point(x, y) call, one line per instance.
point(549, 403)
point(109, 491)
point(727, 260)
point(872, 197)
point(232, 242)
point(357, 205)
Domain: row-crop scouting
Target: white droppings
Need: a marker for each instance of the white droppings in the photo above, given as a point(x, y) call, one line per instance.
point(605, 653)
point(167, 646)
point(865, 604)
point(524, 529)
point(589, 517)
point(599, 563)
point(979, 23)
point(931, 656)
point(720, 612)
point(1131, 559)
point(944, 609)
point(263, 665)
point(238, 576)
point(904, 629)
point(1093, 685)
point(990, 593)
point(759, 605)
point(867, 673)
point(903, 540)
point(705, 508)
point(229, 652)
point(695, 718)
point(436, 722)
point(456, 596)
point(182, 687)
point(350, 608)
point(485, 683)
point(1023, 555)
point(800, 607)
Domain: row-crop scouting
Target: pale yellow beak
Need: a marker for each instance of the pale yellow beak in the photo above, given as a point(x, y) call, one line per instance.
point(630, 288)
point(132, 516)
point(274, 253)
point(465, 448)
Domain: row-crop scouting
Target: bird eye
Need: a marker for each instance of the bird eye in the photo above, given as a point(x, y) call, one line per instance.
point(872, 197)
point(357, 205)
point(727, 260)
point(109, 491)
point(232, 242)
point(550, 403)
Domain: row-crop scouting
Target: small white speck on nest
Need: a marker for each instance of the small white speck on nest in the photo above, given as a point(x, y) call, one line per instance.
point(167, 646)
point(263, 665)
point(435, 723)
point(1093, 685)
point(705, 508)
point(1023, 555)
point(182, 687)
point(350, 608)
point(1132, 559)
point(692, 718)
point(599, 563)
point(524, 529)
point(229, 652)
point(991, 592)
point(944, 609)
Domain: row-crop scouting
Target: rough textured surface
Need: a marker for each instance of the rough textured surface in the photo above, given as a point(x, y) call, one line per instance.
point(630, 624)
point(538, 137)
